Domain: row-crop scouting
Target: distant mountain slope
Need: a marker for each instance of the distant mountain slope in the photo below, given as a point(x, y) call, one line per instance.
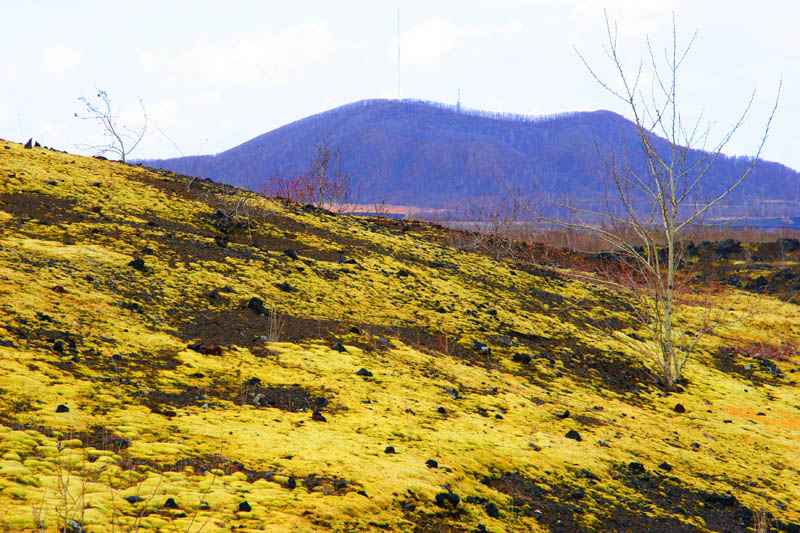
point(426, 154)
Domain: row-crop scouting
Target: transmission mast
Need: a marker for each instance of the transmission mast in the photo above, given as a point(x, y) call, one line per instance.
point(398, 53)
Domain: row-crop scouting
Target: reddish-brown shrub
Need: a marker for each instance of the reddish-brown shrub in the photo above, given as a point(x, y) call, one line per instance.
point(775, 352)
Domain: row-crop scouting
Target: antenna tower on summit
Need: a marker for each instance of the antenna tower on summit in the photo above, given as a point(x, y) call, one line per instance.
point(398, 53)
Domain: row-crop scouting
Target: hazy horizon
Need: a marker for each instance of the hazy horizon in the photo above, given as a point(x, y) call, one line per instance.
point(225, 75)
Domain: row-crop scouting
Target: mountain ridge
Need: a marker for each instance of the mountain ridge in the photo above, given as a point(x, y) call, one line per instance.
point(435, 155)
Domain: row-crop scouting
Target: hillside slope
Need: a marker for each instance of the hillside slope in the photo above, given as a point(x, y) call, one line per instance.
point(426, 154)
point(183, 356)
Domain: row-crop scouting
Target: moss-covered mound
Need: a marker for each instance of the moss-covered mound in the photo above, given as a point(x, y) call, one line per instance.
point(182, 356)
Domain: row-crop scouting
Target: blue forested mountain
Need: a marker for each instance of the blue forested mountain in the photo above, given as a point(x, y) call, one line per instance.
point(427, 154)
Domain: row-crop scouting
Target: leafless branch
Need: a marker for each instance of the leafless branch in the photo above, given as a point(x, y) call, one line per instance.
point(123, 140)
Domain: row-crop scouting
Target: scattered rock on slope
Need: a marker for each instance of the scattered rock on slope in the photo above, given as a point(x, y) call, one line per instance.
point(244, 507)
point(138, 264)
point(256, 305)
point(447, 500)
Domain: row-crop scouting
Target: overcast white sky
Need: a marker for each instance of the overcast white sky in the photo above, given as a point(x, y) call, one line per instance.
point(214, 74)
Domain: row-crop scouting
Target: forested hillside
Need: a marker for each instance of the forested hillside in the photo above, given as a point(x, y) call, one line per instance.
point(425, 154)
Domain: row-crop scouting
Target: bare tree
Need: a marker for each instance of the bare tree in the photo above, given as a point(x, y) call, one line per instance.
point(500, 222)
point(331, 185)
point(122, 139)
point(325, 184)
point(655, 203)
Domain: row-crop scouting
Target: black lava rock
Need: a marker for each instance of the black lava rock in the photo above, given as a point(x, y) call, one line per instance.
point(574, 435)
point(138, 264)
point(62, 408)
point(291, 254)
point(285, 286)
point(256, 305)
point(213, 294)
point(432, 463)
point(170, 504)
point(481, 348)
point(563, 415)
point(679, 408)
point(132, 306)
point(291, 483)
point(389, 450)
point(578, 494)
point(492, 510)
point(339, 347)
point(447, 500)
point(665, 467)
point(522, 358)
point(206, 348)
point(318, 416)
point(636, 468)
point(133, 499)
point(364, 373)
point(441, 410)
point(244, 507)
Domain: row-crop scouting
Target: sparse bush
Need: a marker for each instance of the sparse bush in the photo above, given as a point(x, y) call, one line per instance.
point(323, 185)
point(773, 352)
point(275, 325)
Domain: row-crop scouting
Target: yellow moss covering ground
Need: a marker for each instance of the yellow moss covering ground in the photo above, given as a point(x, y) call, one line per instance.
point(150, 418)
